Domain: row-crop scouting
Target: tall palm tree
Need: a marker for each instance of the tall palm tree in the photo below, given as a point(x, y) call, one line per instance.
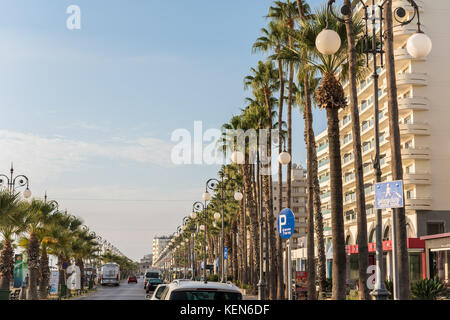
point(240, 123)
point(10, 218)
point(287, 13)
point(273, 39)
point(396, 162)
point(330, 96)
point(264, 81)
point(353, 59)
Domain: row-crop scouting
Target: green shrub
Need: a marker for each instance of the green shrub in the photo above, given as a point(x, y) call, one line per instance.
point(428, 289)
point(389, 287)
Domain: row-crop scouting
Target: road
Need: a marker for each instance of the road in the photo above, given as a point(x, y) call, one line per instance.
point(125, 291)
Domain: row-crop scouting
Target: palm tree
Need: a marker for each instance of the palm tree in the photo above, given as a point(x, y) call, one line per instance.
point(287, 13)
point(353, 59)
point(37, 215)
point(330, 96)
point(239, 123)
point(264, 81)
point(396, 162)
point(10, 217)
point(273, 39)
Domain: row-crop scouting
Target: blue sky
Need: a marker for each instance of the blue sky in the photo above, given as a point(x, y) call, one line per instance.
point(88, 114)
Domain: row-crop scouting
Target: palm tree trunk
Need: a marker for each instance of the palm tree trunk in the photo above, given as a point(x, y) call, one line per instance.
point(251, 206)
point(6, 264)
point(396, 158)
point(279, 256)
point(33, 266)
point(311, 267)
point(363, 256)
point(234, 249)
point(337, 215)
point(45, 274)
point(80, 264)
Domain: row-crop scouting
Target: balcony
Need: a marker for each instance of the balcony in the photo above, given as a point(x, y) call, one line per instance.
point(417, 178)
point(419, 153)
point(422, 129)
point(412, 78)
point(415, 103)
point(418, 204)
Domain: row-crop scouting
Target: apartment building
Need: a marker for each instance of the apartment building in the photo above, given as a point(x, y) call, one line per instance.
point(159, 243)
point(424, 109)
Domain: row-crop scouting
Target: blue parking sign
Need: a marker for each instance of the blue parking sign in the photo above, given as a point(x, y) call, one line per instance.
point(286, 223)
point(389, 195)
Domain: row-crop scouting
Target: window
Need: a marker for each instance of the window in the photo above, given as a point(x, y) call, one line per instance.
point(407, 120)
point(387, 234)
point(435, 228)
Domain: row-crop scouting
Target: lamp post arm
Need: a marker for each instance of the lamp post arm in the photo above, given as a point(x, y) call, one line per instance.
point(21, 182)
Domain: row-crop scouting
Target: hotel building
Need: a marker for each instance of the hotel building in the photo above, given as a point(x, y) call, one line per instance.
point(424, 112)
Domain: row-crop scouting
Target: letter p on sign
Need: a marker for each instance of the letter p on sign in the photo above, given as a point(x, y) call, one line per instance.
point(282, 221)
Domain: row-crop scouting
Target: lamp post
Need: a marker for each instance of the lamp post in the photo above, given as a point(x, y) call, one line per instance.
point(419, 45)
point(203, 207)
point(193, 217)
point(13, 182)
point(211, 185)
point(285, 158)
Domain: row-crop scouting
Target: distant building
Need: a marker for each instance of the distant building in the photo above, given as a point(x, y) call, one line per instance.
point(146, 263)
point(159, 243)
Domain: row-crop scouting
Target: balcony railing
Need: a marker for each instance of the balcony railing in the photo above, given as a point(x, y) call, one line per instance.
point(418, 204)
point(412, 78)
point(414, 103)
point(415, 129)
point(417, 178)
point(419, 153)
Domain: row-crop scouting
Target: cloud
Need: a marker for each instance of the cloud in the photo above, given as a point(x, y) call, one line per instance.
point(53, 155)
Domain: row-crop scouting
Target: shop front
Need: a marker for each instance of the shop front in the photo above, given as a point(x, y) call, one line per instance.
point(437, 249)
point(417, 265)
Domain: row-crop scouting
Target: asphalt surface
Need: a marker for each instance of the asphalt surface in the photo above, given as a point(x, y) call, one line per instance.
point(126, 291)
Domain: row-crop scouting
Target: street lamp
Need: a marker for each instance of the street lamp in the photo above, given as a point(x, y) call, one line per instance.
point(53, 203)
point(200, 207)
point(16, 182)
point(419, 45)
point(285, 158)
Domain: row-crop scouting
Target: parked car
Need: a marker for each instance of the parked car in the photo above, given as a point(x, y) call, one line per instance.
point(158, 291)
point(132, 279)
point(196, 290)
point(151, 274)
point(152, 284)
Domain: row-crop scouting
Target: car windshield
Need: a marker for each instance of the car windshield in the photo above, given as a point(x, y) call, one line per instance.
point(152, 275)
point(204, 295)
point(155, 281)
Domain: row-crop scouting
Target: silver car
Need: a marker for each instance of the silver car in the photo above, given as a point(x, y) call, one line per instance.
point(201, 291)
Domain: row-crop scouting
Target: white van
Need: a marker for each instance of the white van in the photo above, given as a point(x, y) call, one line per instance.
point(110, 274)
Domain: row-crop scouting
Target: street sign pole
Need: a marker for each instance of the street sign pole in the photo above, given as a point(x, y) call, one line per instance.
point(286, 227)
point(289, 269)
point(394, 254)
point(388, 195)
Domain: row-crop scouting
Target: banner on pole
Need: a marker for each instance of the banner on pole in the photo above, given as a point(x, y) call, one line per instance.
point(54, 281)
point(18, 270)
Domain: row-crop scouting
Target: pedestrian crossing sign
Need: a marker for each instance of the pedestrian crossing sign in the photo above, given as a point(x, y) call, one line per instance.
point(389, 195)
